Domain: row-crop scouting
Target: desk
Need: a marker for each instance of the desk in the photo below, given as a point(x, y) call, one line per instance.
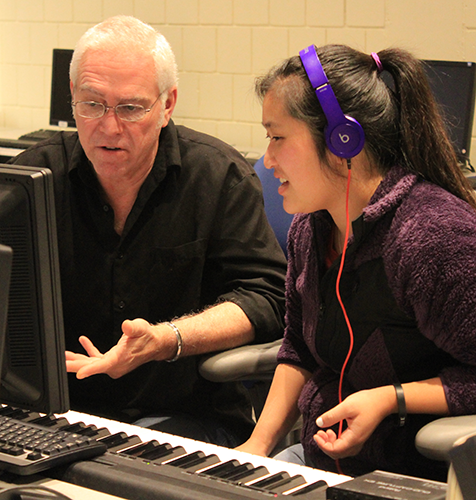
point(9, 133)
point(71, 491)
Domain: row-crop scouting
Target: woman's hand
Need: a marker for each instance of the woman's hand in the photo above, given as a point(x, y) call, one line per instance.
point(363, 411)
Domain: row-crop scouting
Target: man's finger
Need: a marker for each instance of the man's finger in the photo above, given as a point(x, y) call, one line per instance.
point(89, 347)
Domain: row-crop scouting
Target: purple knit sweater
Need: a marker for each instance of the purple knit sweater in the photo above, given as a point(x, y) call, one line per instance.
point(426, 240)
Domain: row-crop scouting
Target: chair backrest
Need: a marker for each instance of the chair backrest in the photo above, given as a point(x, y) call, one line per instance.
point(273, 204)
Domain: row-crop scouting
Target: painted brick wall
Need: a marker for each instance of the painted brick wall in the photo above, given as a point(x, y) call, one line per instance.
point(221, 45)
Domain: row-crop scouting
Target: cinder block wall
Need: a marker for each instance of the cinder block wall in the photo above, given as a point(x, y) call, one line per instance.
point(221, 45)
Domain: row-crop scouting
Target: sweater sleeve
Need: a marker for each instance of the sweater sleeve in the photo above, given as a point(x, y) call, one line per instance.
point(431, 264)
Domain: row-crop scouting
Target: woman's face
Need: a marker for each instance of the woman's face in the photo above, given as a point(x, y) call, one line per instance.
point(306, 185)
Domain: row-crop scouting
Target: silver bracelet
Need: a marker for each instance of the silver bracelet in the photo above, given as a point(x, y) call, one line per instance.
point(179, 342)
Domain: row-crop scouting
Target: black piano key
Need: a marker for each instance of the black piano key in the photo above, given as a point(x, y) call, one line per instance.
point(177, 451)
point(250, 475)
point(131, 441)
point(140, 449)
point(238, 471)
point(13, 413)
point(288, 484)
point(30, 416)
point(222, 468)
point(88, 430)
point(115, 439)
point(158, 452)
point(274, 480)
point(119, 441)
point(60, 423)
point(46, 420)
point(201, 463)
point(101, 433)
point(186, 459)
point(9, 411)
point(309, 488)
point(76, 427)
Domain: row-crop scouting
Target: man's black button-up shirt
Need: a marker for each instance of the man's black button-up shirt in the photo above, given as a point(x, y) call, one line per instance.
point(196, 235)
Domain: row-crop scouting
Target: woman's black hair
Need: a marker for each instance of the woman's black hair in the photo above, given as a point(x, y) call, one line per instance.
point(396, 109)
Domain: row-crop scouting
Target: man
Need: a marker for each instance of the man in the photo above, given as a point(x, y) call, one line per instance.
point(165, 249)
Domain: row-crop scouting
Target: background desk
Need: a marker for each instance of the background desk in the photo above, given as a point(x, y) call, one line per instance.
point(72, 491)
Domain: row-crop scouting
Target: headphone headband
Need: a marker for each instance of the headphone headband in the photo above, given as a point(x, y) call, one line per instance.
point(344, 135)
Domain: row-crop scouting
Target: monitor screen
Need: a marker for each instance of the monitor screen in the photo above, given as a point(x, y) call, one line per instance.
point(60, 104)
point(453, 84)
point(33, 375)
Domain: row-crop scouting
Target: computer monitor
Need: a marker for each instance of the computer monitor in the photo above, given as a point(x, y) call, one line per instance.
point(60, 104)
point(453, 84)
point(5, 272)
point(33, 375)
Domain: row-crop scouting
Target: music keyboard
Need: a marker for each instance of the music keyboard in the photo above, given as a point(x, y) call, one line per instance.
point(145, 464)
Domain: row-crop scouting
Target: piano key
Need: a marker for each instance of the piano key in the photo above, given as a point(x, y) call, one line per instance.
point(100, 433)
point(120, 441)
point(166, 454)
point(163, 450)
point(46, 420)
point(221, 469)
point(142, 448)
point(115, 439)
point(238, 471)
point(309, 488)
point(267, 482)
point(248, 477)
point(202, 462)
point(86, 430)
point(288, 484)
point(186, 459)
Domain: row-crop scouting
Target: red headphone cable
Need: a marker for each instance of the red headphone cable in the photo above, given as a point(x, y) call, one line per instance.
point(349, 326)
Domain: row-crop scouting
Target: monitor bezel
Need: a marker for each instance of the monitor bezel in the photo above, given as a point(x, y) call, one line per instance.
point(35, 186)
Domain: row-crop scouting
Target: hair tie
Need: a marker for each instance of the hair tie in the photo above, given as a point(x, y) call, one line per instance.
point(378, 62)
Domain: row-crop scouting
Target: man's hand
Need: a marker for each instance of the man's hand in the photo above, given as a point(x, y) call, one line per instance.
point(363, 411)
point(139, 344)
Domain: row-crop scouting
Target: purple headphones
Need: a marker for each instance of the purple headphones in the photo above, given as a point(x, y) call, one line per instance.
point(344, 135)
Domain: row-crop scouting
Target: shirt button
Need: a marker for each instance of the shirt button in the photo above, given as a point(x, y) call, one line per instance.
point(122, 304)
point(105, 208)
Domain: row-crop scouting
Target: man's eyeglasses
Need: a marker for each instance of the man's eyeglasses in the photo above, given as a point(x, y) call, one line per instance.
point(126, 112)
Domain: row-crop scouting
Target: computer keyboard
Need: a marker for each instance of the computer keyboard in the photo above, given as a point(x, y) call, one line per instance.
point(27, 448)
point(38, 135)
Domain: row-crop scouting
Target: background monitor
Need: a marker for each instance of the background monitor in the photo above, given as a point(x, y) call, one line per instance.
point(60, 104)
point(453, 84)
point(33, 374)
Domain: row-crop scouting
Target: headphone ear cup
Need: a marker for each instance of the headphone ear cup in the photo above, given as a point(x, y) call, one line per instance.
point(346, 138)
point(344, 135)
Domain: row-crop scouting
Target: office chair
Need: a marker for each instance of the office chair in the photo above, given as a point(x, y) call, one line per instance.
point(436, 439)
point(273, 204)
point(254, 365)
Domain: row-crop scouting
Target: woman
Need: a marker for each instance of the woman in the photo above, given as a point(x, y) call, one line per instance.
point(381, 287)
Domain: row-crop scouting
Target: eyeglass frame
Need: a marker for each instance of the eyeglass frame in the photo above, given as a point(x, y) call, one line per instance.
point(107, 108)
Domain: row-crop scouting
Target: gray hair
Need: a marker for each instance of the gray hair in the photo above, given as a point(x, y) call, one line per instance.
point(124, 33)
